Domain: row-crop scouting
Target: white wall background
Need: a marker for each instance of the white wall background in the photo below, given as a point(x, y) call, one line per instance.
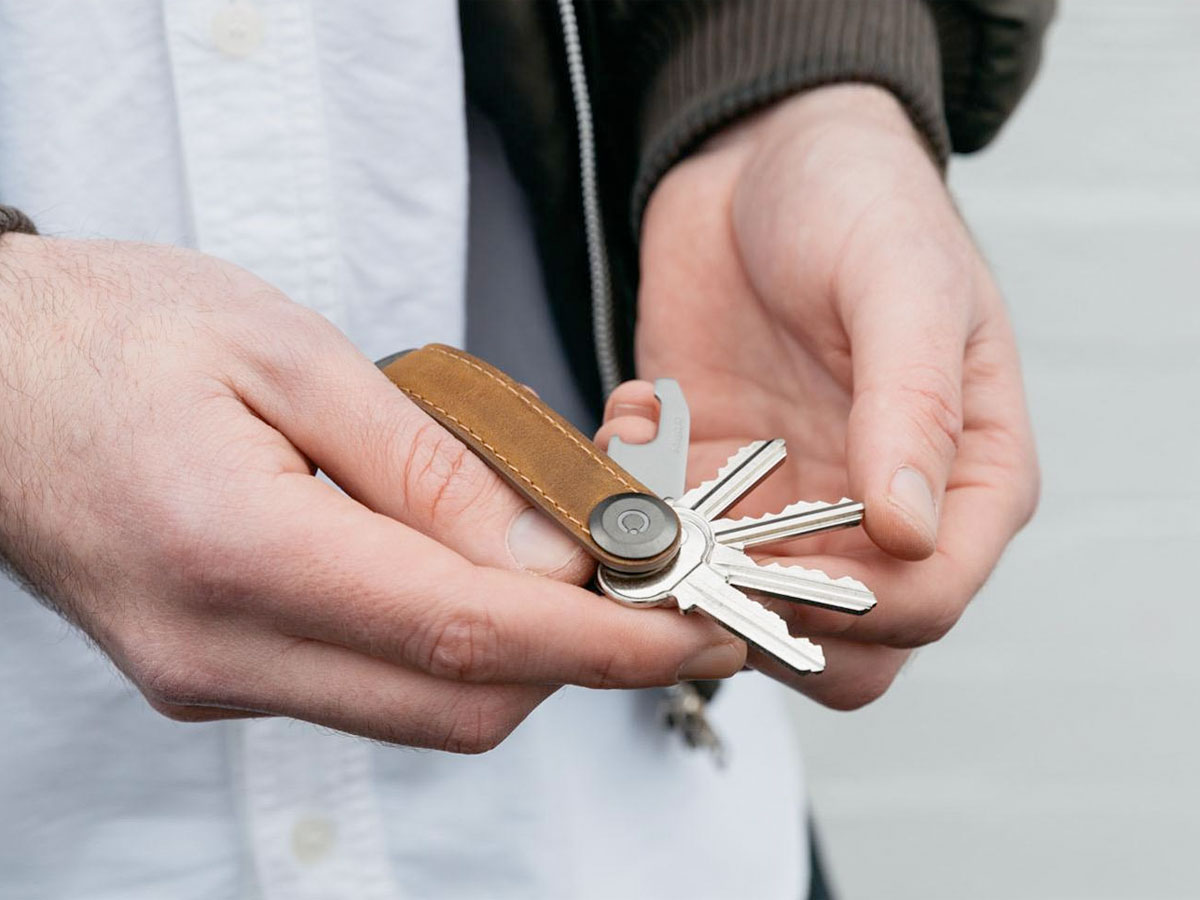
point(1050, 746)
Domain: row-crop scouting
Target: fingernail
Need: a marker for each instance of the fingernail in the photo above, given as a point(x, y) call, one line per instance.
point(720, 661)
point(629, 409)
point(911, 493)
point(537, 544)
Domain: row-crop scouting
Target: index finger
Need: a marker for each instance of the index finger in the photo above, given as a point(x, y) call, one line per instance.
point(918, 602)
point(990, 495)
point(332, 570)
point(312, 386)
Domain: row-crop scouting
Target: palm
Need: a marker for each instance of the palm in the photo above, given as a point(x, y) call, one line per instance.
point(749, 369)
point(764, 277)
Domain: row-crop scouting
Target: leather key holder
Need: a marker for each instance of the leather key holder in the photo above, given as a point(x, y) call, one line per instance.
point(612, 515)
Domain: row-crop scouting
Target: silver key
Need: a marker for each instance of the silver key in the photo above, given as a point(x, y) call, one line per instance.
point(799, 519)
point(738, 477)
point(694, 584)
point(811, 586)
point(706, 590)
point(708, 573)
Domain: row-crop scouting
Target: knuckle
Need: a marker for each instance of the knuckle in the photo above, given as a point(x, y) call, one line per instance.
point(616, 669)
point(862, 683)
point(306, 333)
point(862, 692)
point(172, 676)
point(1014, 457)
point(1029, 492)
point(280, 339)
point(478, 727)
point(461, 646)
point(604, 674)
point(931, 626)
point(202, 561)
point(186, 713)
point(937, 398)
point(181, 537)
point(173, 670)
point(442, 478)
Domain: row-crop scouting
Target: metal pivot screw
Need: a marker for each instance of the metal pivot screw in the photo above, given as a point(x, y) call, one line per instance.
point(633, 526)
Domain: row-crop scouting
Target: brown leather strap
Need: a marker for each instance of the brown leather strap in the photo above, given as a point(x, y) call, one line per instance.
point(541, 454)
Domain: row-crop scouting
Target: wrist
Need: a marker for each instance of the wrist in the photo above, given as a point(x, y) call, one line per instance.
point(873, 111)
point(850, 102)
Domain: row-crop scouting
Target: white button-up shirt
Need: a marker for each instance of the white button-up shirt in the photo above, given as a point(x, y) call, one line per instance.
point(322, 146)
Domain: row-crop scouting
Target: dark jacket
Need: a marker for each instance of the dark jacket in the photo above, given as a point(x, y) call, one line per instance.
point(662, 75)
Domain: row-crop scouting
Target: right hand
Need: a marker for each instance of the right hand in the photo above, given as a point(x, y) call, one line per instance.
point(161, 417)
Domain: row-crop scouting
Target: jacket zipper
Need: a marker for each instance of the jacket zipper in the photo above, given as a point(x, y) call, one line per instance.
point(603, 336)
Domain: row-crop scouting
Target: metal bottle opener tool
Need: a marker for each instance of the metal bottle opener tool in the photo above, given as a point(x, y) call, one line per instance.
point(656, 543)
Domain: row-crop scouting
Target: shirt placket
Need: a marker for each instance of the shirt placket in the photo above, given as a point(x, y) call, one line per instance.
point(313, 816)
point(256, 172)
point(255, 151)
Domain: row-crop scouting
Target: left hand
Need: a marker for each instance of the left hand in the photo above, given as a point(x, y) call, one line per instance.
point(806, 276)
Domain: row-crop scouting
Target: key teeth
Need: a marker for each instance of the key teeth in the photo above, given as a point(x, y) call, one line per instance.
point(817, 574)
point(818, 655)
point(814, 654)
point(814, 651)
point(775, 622)
point(739, 456)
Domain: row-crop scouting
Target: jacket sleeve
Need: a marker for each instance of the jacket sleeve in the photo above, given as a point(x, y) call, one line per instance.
point(958, 66)
point(990, 52)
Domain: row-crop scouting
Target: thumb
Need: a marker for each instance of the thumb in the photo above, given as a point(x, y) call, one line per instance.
point(377, 445)
point(906, 417)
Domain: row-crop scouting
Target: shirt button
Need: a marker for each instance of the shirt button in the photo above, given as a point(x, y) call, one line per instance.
point(313, 838)
point(237, 29)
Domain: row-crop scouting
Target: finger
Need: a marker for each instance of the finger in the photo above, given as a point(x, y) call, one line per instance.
point(631, 429)
point(267, 675)
point(334, 687)
point(855, 674)
point(330, 570)
point(917, 602)
point(998, 444)
point(182, 712)
point(991, 494)
point(343, 414)
point(908, 336)
point(632, 398)
point(630, 413)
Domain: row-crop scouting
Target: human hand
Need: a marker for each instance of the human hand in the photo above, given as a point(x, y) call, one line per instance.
point(161, 417)
point(806, 276)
